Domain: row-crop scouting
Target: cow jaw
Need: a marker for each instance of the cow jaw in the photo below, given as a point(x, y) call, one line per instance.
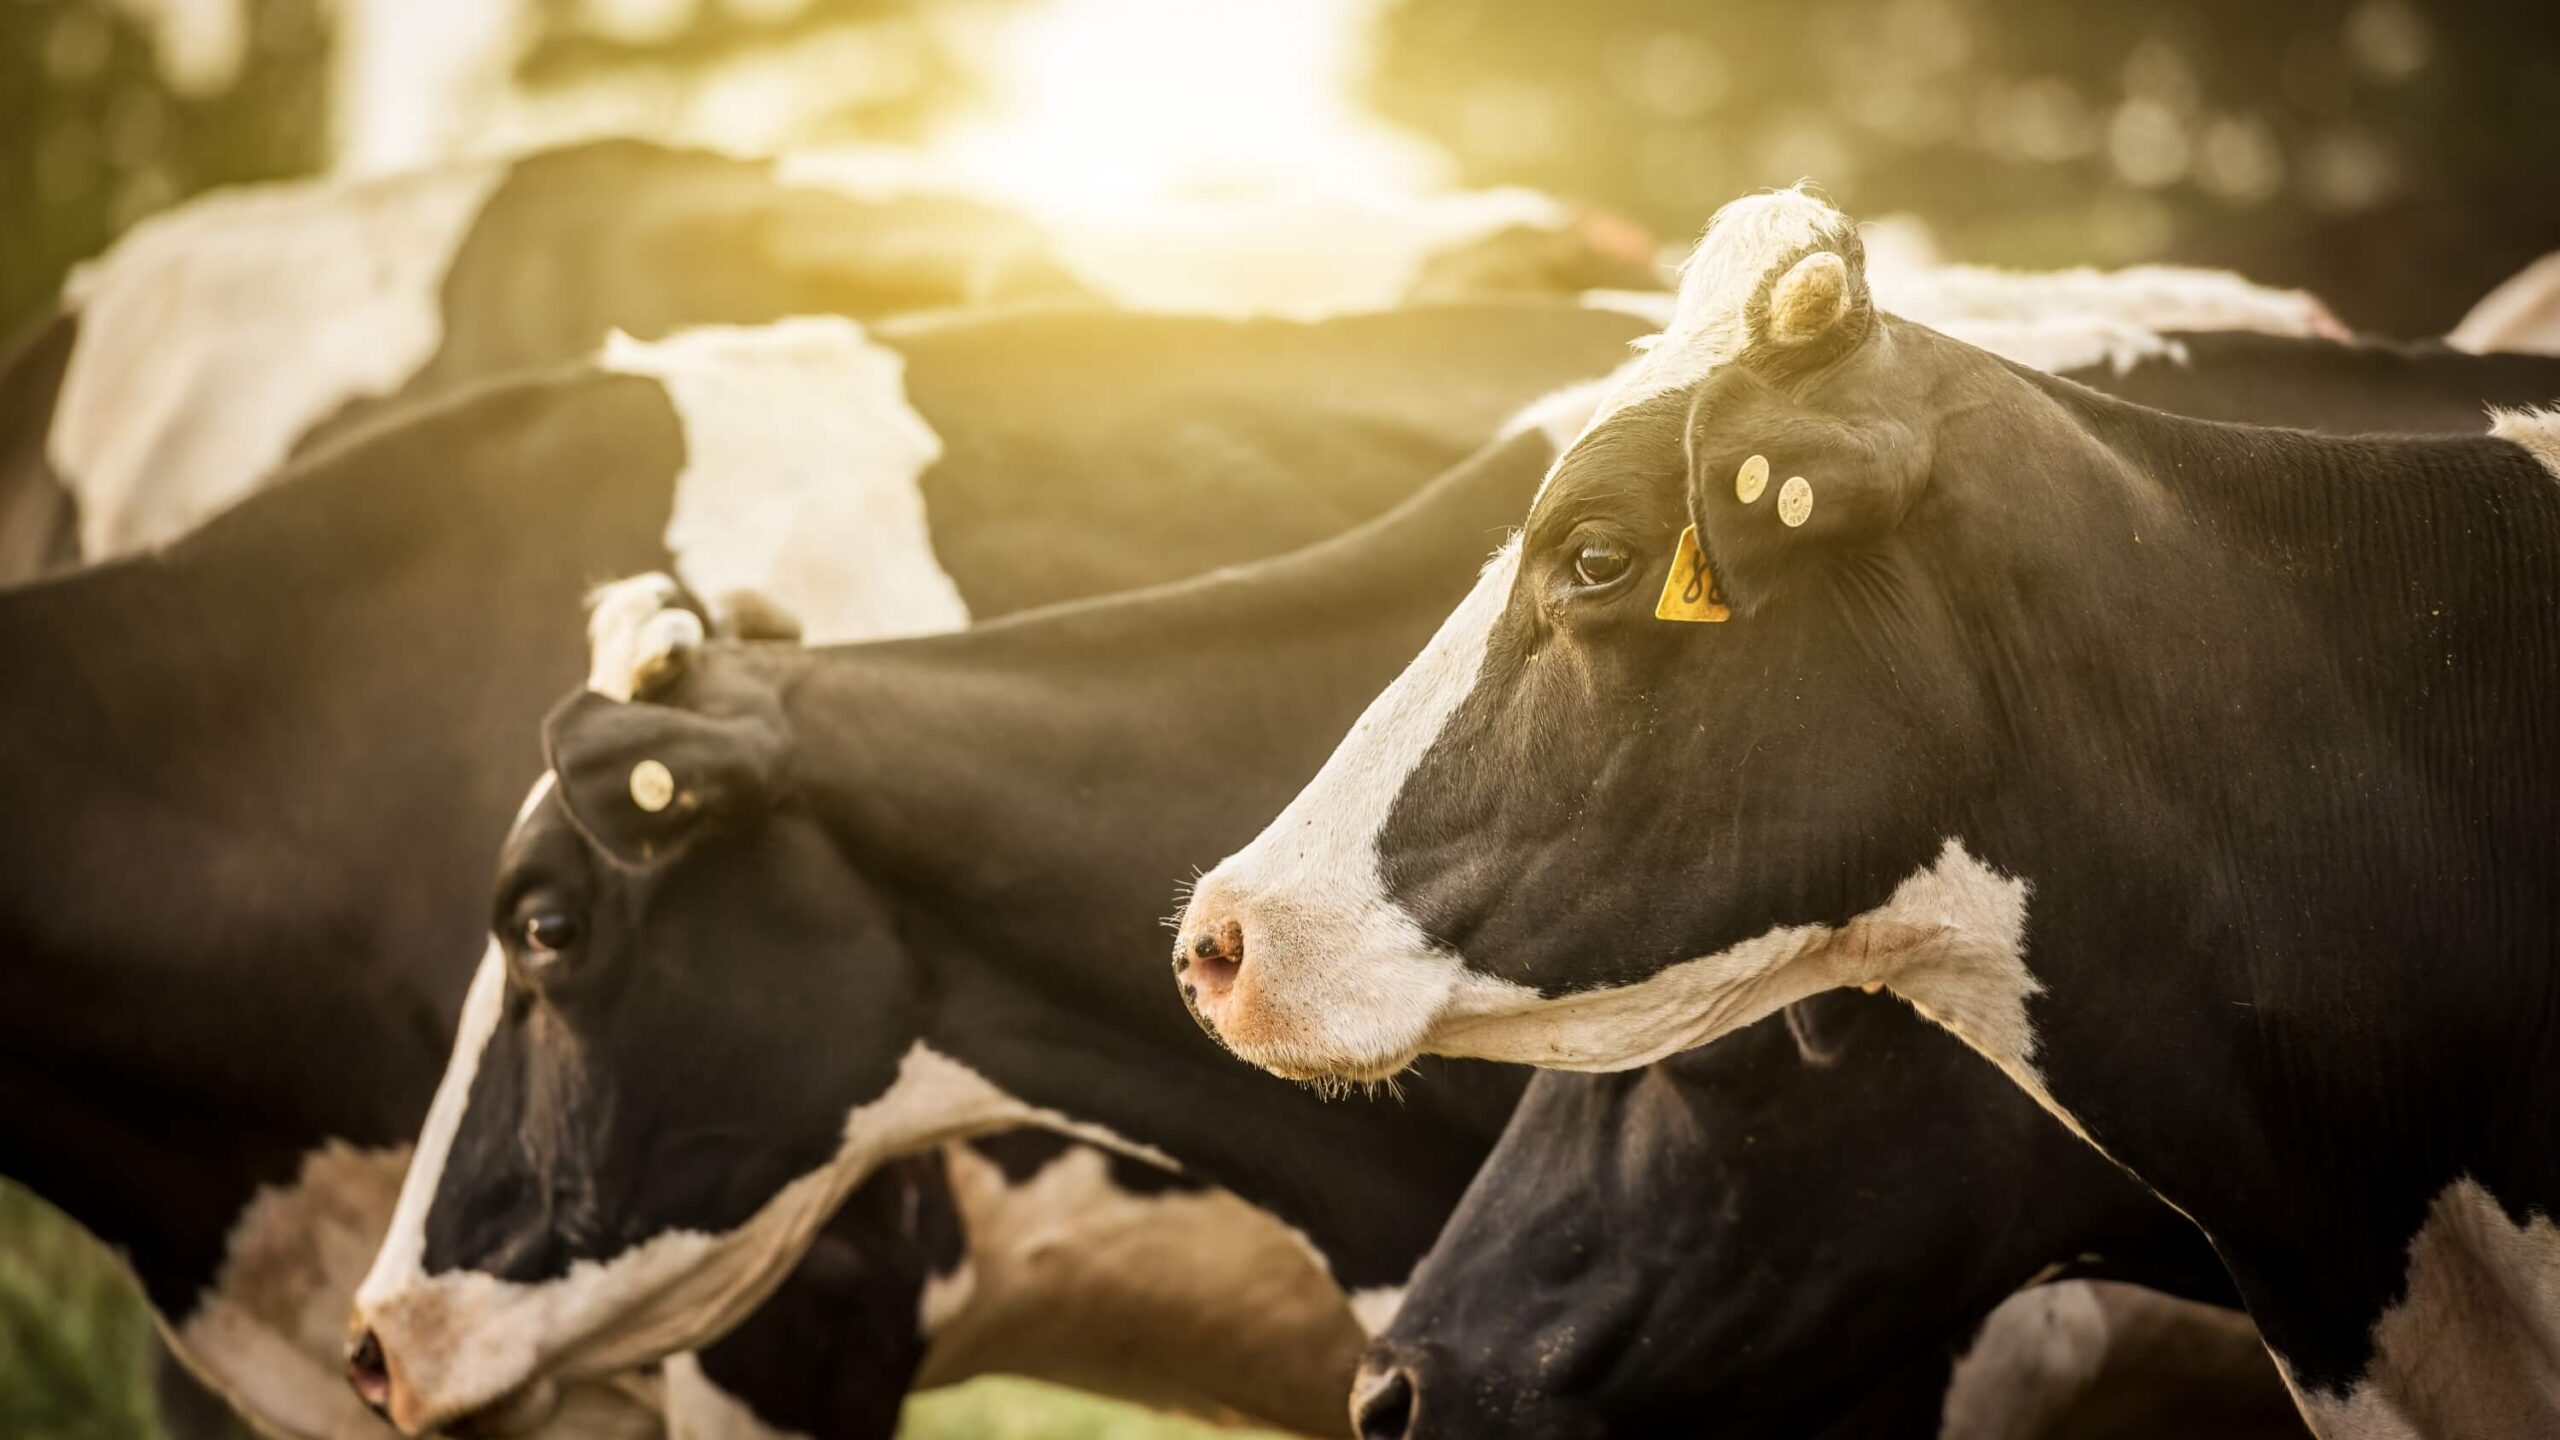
point(457, 1341)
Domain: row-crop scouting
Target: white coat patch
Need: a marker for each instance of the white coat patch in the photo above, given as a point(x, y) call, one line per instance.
point(2523, 313)
point(802, 476)
point(212, 337)
point(2473, 1348)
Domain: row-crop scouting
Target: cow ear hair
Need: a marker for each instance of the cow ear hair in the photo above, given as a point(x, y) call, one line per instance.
point(639, 780)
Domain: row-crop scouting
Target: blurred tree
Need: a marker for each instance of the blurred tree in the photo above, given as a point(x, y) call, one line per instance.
point(104, 120)
point(2396, 156)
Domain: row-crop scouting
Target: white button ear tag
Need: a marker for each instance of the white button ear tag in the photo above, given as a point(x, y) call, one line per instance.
point(1795, 501)
point(653, 786)
point(1753, 479)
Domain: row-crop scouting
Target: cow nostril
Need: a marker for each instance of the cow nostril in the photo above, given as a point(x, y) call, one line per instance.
point(367, 1372)
point(1212, 958)
point(1382, 1404)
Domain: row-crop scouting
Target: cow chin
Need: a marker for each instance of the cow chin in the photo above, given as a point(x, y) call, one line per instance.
point(464, 1343)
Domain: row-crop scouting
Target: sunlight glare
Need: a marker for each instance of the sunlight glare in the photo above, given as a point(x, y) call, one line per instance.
point(1101, 102)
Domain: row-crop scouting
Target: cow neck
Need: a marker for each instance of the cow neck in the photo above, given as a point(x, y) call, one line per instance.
point(1031, 794)
point(2386, 597)
point(2312, 778)
point(255, 784)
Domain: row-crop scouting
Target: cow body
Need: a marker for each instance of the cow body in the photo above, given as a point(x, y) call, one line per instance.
point(1616, 1202)
point(2192, 774)
point(357, 654)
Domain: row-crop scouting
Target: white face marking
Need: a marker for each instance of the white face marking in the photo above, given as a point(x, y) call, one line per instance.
point(1189, 1299)
point(458, 1340)
point(2523, 313)
point(212, 337)
point(1360, 983)
point(2473, 1347)
point(2080, 1347)
point(803, 468)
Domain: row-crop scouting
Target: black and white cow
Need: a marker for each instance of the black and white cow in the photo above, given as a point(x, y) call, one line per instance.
point(2197, 775)
point(223, 336)
point(942, 923)
point(1738, 1232)
point(255, 778)
point(232, 332)
point(966, 783)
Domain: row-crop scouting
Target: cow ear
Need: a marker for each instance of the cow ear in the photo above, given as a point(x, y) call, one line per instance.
point(1776, 481)
point(639, 780)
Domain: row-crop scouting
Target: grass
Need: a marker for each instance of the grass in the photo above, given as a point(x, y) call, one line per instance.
point(76, 1357)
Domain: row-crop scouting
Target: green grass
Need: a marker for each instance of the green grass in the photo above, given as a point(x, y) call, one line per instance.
point(76, 1351)
point(1006, 1409)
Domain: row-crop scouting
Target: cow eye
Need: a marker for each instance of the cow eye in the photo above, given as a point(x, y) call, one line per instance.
point(549, 932)
point(1599, 562)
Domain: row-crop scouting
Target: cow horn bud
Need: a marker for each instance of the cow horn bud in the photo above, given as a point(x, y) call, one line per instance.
point(1809, 299)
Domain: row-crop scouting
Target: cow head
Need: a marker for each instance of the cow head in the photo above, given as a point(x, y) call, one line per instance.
point(681, 1050)
point(1750, 1236)
point(1711, 732)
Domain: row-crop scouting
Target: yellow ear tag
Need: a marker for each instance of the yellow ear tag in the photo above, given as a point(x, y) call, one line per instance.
point(1689, 592)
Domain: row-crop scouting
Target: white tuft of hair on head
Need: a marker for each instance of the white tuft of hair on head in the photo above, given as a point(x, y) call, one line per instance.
point(1710, 323)
point(638, 634)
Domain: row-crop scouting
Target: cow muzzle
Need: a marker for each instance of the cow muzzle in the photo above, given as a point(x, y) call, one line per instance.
point(377, 1383)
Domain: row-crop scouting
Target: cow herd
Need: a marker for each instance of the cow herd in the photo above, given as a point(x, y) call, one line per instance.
point(598, 750)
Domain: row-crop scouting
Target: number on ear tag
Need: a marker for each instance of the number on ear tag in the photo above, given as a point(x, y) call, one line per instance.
point(1689, 592)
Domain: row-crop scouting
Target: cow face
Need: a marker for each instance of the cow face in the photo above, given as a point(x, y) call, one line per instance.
point(1578, 833)
point(1755, 1231)
point(646, 1116)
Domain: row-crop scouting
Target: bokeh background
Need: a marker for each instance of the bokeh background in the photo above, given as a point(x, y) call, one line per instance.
point(2398, 157)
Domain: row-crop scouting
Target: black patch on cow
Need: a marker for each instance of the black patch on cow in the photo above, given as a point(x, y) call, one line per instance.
point(835, 1349)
